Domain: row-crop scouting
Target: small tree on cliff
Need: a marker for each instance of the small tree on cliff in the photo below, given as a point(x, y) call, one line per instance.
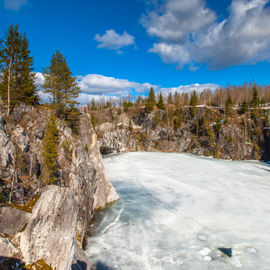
point(151, 101)
point(50, 155)
point(255, 99)
point(193, 103)
point(228, 106)
point(160, 103)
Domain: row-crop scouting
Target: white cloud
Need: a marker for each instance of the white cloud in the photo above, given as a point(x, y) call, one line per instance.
point(177, 19)
point(39, 79)
point(14, 4)
point(114, 41)
point(171, 53)
point(96, 86)
point(242, 38)
point(191, 87)
point(99, 84)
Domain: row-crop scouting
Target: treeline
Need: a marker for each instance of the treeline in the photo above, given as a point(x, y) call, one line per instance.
point(245, 96)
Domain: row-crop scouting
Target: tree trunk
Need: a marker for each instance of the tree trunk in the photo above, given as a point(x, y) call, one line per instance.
point(9, 75)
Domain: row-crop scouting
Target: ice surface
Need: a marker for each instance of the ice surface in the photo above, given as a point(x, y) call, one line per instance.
point(173, 206)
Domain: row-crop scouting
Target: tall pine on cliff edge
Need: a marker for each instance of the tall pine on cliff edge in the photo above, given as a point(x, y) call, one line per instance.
point(17, 80)
point(63, 90)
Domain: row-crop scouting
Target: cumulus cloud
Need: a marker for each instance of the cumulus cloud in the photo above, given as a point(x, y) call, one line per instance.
point(114, 41)
point(96, 86)
point(171, 53)
point(177, 19)
point(198, 37)
point(39, 79)
point(191, 87)
point(99, 84)
point(14, 4)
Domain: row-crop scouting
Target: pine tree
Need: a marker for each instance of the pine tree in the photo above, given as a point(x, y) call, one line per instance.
point(193, 103)
point(60, 85)
point(50, 155)
point(218, 124)
point(170, 99)
point(160, 103)
point(228, 106)
point(17, 81)
point(255, 99)
point(151, 101)
point(244, 107)
point(93, 120)
point(73, 117)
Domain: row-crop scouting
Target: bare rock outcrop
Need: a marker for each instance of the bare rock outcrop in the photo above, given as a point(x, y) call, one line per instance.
point(12, 220)
point(7, 250)
point(61, 216)
point(50, 233)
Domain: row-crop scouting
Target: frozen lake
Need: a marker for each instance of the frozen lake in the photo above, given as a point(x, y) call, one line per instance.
point(176, 210)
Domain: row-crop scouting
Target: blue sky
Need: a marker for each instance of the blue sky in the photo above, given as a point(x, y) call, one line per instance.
point(117, 46)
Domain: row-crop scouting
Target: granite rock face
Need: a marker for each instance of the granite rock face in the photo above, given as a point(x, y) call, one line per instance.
point(50, 233)
point(61, 216)
point(144, 134)
point(12, 220)
point(6, 248)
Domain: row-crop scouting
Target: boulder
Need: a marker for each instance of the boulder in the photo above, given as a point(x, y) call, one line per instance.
point(50, 233)
point(7, 250)
point(80, 260)
point(6, 154)
point(20, 138)
point(12, 220)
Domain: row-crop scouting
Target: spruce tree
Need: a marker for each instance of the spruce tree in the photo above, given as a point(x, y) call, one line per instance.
point(50, 155)
point(17, 80)
point(218, 124)
point(151, 101)
point(228, 106)
point(160, 103)
point(60, 85)
point(244, 107)
point(193, 103)
point(255, 99)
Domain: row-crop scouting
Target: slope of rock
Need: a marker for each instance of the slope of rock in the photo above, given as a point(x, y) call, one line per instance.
point(61, 216)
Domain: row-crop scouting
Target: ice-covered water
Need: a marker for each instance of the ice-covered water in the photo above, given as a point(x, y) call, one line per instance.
point(176, 210)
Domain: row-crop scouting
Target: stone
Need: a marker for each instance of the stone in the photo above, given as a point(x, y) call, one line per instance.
point(3, 138)
point(205, 252)
point(80, 260)
point(6, 154)
point(2, 122)
point(20, 138)
point(226, 251)
point(50, 232)
point(12, 220)
point(208, 258)
point(6, 248)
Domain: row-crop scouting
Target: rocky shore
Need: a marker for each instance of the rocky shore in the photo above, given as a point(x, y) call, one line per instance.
point(237, 139)
point(43, 226)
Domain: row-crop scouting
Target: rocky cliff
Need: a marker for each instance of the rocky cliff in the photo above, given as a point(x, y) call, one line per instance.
point(45, 224)
point(240, 137)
